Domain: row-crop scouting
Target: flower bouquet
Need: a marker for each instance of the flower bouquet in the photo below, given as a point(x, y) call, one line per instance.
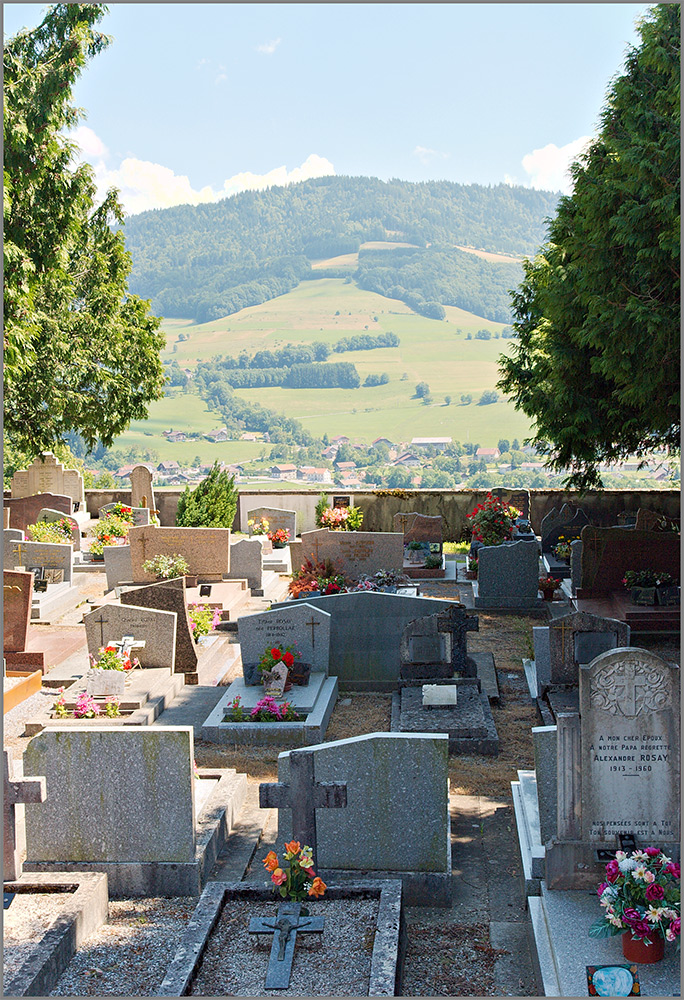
point(258, 525)
point(279, 538)
point(641, 899)
point(111, 659)
point(492, 521)
point(297, 879)
point(203, 620)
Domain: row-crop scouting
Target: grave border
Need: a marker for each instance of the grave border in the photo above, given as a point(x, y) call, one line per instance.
point(39, 973)
point(388, 950)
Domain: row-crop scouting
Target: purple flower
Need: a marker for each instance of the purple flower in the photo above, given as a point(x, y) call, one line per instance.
point(654, 891)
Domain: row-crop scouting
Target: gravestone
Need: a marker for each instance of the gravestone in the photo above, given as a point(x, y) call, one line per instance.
point(355, 552)
point(277, 518)
point(575, 565)
point(424, 530)
point(436, 646)
point(118, 565)
point(507, 576)
point(246, 562)
point(607, 554)
point(26, 510)
point(47, 475)
point(54, 516)
point(169, 595)
point(520, 499)
point(32, 555)
point(618, 765)
point(568, 523)
point(579, 638)
point(468, 722)
point(293, 624)
point(9, 536)
point(396, 821)
point(141, 515)
point(365, 634)
point(629, 710)
point(17, 594)
point(206, 550)
point(142, 494)
point(5, 517)
point(17, 793)
point(545, 740)
point(157, 629)
point(650, 520)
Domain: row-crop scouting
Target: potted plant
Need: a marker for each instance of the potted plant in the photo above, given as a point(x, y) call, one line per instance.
point(203, 620)
point(493, 520)
point(55, 532)
point(642, 583)
point(667, 590)
point(168, 567)
point(415, 550)
point(112, 529)
point(562, 549)
point(471, 567)
point(641, 899)
point(107, 675)
point(547, 585)
point(341, 518)
point(279, 538)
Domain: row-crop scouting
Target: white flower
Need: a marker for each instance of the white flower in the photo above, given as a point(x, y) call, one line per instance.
point(639, 855)
point(654, 913)
point(615, 921)
point(639, 872)
point(610, 892)
point(627, 865)
point(620, 855)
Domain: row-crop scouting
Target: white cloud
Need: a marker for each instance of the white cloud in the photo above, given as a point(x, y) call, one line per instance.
point(144, 185)
point(426, 155)
point(221, 77)
point(548, 168)
point(268, 48)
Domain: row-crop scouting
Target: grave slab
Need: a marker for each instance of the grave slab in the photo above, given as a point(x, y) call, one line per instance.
point(469, 724)
point(160, 844)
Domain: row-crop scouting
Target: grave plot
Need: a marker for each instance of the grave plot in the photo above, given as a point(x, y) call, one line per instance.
point(127, 802)
point(423, 556)
point(306, 631)
point(206, 550)
point(355, 553)
point(558, 530)
point(441, 691)
point(237, 945)
point(507, 576)
point(51, 565)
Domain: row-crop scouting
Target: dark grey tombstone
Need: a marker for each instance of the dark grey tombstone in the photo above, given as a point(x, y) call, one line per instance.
point(581, 634)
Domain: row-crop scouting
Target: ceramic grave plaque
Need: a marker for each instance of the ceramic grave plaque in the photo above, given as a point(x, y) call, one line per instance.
point(629, 710)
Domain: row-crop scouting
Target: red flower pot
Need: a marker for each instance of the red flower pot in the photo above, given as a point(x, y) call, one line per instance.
point(641, 952)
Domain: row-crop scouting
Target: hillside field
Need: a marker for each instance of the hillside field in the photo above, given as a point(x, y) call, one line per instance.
point(433, 351)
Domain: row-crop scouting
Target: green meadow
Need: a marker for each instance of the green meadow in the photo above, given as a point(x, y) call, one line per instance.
point(433, 351)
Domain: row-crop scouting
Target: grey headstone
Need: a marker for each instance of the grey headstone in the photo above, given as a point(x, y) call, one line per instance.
point(544, 739)
point(629, 705)
point(397, 813)
point(542, 656)
point(576, 564)
point(157, 629)
point(436, 646)
point(365, 634)
point(54, 516)
point(124, 794)
point(246, 562)
point(169, 595)
point(564, 636)
point(292, 624)
point(277, 517)
point(9, 536)
point(142, 494)
point(118, 566)
point(35, 554)
point(508, 575)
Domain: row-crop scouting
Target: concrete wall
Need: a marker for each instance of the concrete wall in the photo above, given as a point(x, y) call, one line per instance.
point(379, 507)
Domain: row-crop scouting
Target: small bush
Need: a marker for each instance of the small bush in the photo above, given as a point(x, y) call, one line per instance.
point(212, 504)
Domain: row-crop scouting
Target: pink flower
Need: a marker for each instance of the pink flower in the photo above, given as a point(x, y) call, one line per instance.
point(675, 926)
point(612, 871)
point(654, 891)
point(649, 877)
point(652, 852)
point(602, 888)
point(631, 916)
point(673, 869)
point(278, 877)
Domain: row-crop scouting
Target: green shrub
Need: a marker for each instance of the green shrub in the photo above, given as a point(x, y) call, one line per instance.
point(212, 504)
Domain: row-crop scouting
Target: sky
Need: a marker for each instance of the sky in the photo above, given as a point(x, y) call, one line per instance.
point(194, 102)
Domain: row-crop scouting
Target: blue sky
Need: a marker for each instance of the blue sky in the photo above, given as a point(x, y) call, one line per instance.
point(195, 101)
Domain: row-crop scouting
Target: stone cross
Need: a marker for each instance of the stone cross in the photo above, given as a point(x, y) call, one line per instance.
point(312, 625)
point(16, 792)
point(457, 622)
point(303, 795)
point(284, 929)
point(315, 546)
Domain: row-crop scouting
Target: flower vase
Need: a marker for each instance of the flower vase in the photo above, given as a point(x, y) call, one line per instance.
point(641, 952)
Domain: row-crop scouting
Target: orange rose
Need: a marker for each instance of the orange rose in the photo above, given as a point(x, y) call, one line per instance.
point(271, 861)
point(293, 848)
point(278, 877)
point(318, 888)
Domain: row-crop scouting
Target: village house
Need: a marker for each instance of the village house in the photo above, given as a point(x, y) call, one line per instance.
point(489, 454)
point(440, 443)
point(286, 471)
point(408, 459)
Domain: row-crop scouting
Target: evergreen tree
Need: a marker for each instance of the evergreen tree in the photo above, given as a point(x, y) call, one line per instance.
point(212, 504)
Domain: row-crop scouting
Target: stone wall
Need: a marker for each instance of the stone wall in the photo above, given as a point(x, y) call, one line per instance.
point(601, 506)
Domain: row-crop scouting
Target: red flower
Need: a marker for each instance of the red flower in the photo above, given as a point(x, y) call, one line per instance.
point(672, 868)
point(612, 871)
point(288, 659)
point(275, 653)
point(652, 852)
point(654, 891)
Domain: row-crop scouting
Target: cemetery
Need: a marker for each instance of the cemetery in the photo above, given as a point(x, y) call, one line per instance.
point(213, 702)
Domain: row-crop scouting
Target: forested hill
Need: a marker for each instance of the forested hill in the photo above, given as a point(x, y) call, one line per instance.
point(207, 261)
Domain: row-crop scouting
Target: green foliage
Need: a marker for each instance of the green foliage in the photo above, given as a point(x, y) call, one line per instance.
point(166, 567)
point(597, 314)
point(80, 353)
point(487, 397)
point(422, 390)
point(212, 504)
point(466, 398)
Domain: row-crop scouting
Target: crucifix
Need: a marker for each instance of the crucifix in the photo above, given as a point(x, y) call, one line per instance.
point(284, 928)
point(17, 791)
point(312, 625)
point(315, 545)
point(303, 795)
point(457, 622)
point(126, 644)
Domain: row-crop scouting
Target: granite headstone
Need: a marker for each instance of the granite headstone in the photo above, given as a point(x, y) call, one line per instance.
point(277, 517)
point(578, 638)
point(17, 594)
point(292, 624)
point(355, 552)
point(169, 595)
point(507, 576)
point(206, 550)
point(157, 629)
point(142, 493)
point(47, 475)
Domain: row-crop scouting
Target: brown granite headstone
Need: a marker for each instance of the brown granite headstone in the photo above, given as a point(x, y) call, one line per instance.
point(607, 554)
point(650, 520)
point(355, 552)
point(206, 550)
point(142, 494)
point(169, 595)
point(520, 499)
point(25, 510)
point(17, 593)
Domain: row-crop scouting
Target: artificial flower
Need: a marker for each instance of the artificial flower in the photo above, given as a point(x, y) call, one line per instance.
point(271, 861)
point(278, 876)
point(292, 849)
point(318, 887)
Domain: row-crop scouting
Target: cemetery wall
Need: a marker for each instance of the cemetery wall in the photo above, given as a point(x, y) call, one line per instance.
point(602, 506)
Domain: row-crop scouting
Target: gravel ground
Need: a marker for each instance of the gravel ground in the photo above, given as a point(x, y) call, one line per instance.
point(129, 955)
point(334, 963)
point(25, 922)
point(453, 960)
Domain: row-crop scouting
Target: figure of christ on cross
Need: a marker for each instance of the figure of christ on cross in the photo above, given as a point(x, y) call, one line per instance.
point(284, 929)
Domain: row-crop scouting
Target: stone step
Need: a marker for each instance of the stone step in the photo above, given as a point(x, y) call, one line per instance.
point(56, 601)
